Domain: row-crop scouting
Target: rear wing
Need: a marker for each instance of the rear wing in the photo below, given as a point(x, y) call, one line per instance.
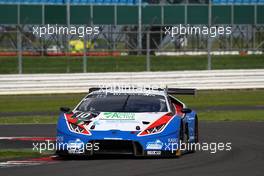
point(176, 91)
point(181, 91)
point(92, 89)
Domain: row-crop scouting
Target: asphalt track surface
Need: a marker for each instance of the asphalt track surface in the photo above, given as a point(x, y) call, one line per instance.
point(245, 158)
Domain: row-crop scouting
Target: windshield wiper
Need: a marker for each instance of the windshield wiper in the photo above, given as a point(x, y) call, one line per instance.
point(124, 105)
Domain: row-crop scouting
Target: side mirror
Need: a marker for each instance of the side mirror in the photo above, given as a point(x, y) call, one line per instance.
point(186, 110)
point(64, 109)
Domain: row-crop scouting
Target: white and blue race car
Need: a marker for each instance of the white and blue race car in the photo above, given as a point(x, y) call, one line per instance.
point(139, 123)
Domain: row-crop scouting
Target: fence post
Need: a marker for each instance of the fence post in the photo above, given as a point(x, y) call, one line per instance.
point(139, 27)
point(84, 55)
point(19, 50)
point(68, 36)
point(148, 52)
point(209, 41)
point(19, 42)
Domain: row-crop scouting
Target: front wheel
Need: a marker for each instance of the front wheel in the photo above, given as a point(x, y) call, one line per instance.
point(181, 137)
point(196, 136)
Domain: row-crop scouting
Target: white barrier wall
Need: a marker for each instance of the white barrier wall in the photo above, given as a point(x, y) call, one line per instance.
point(77, 83)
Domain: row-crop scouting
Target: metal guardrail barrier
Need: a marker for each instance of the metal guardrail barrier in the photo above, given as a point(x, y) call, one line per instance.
point(81, 82)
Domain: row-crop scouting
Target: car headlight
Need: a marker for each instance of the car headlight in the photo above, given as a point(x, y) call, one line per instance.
point(155, 129)
point(74, 126)
point(158, 126)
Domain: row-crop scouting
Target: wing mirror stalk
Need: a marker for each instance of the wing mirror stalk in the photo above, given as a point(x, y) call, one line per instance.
point(186, 110)
point(65, 109)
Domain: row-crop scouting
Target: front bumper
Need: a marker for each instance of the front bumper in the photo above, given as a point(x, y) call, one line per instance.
point(118, 142)
point(154, 145)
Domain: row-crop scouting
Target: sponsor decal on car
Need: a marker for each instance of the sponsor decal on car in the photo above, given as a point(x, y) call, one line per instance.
point(75, 146)
point(96, 122)
point(59, 138)
point(153, 152)
point(118, 116)
point(156, 145)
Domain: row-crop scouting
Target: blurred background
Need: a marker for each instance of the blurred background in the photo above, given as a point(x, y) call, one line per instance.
point(131, 35)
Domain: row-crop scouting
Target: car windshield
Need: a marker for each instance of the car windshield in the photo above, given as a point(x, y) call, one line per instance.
point(123, 103)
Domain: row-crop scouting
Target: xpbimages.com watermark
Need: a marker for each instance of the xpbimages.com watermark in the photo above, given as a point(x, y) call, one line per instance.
point(121, 89)
point(79, 147)
point(211, 147)
point(80, 31)
point(212, 31)
point(74, 146)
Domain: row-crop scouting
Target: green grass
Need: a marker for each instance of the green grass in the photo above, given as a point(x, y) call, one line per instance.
point(225, 98)
point(29, 120)
point(257, 115)
point(21, 153)
point(204, 99)
point(38, 103)
point(128, 63)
